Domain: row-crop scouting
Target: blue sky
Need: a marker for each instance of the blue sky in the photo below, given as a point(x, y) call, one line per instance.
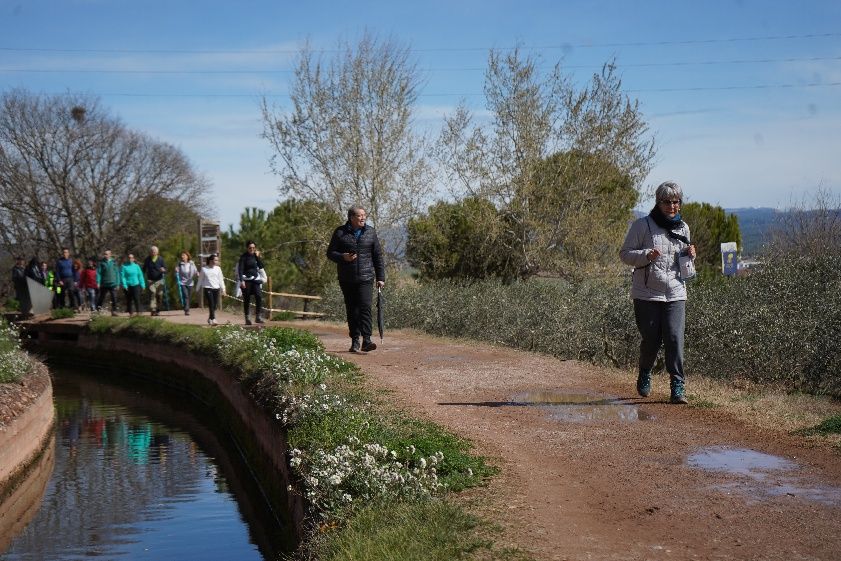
point(744, 97)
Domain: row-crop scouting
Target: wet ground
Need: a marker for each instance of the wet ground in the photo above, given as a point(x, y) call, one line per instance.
point(592, 471)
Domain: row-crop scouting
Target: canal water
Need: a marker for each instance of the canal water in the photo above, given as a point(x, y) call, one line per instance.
point(140, 475)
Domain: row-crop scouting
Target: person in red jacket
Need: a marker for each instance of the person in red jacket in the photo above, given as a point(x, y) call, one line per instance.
point(87, 284)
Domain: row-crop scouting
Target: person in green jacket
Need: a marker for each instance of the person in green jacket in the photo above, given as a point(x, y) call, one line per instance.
point(133, 283)
point(107, 279)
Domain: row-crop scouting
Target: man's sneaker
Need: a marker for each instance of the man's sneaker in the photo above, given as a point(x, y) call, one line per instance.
point(259, 320)
point(247, 320)
point(678, 396)
point(644, 384)
point(368, 345)
point(354, 345)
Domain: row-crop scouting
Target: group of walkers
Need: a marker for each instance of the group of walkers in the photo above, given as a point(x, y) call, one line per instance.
point(87, 287)
point(657, 246)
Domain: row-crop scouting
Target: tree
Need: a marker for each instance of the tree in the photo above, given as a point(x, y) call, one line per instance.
point(460, 240)
point(348, 138)
point(73, 175)
point(584, 205)
point(810, 228)
point(710, 226)
point(544, 135)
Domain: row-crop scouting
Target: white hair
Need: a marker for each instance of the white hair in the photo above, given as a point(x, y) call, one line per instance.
point(669, 190)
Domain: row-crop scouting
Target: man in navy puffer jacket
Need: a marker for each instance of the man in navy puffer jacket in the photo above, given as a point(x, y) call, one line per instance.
point(356, 251)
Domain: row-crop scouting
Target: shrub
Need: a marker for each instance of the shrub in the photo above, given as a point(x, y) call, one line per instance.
point(780, 324)
point(14, 363)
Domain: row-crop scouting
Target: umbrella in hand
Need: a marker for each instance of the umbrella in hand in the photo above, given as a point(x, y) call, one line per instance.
point(380, 303)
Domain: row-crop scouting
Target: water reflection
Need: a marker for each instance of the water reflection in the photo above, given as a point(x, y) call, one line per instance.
point(762, 476)
point(130, 482)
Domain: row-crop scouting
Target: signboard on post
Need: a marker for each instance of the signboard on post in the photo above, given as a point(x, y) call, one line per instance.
point(210, 243)
point(729, 259)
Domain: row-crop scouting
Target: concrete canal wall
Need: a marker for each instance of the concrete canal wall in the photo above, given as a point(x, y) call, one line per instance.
point(257, 435)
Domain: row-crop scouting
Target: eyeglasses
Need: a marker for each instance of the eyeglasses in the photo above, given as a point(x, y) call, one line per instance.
point(670, 203)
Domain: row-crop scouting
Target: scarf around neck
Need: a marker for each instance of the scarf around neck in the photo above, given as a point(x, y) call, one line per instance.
point(668, 224)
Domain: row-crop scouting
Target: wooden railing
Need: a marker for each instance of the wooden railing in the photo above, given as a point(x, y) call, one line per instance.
point(268, 305)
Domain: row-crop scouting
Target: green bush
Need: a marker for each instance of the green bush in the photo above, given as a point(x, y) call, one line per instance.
point(781, 324)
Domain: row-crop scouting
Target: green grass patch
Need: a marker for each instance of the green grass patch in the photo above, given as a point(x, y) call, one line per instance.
point(830, 425)
point(62, 313)
point(701, 403)
point(428, 531)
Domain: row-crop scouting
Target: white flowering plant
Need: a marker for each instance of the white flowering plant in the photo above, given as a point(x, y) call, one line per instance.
point(352, 474)
point(261, 354)
point(14, 362)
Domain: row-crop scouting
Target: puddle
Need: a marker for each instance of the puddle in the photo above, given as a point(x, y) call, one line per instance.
point(581, 406)
point(761, 476)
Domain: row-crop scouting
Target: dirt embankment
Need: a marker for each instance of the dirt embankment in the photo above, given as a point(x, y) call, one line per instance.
point(591, 471)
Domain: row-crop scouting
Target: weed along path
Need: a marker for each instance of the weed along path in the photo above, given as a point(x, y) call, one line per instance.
point(591, 471)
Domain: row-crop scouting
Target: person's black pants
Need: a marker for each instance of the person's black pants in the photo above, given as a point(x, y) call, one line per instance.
point(255, 288)
point(212, 297)
point(133, 296)
point(103, 290)
point(358, 297)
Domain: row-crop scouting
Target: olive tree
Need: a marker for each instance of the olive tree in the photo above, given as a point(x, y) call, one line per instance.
point(550, 153)
point(347, 137)
point(73, 175)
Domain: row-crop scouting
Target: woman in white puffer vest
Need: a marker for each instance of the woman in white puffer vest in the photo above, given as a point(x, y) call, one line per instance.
point(656, 246)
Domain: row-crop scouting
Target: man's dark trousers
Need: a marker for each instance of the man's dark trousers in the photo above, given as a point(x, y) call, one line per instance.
point(358, 297)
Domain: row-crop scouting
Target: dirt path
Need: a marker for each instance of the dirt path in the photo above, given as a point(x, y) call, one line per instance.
point(583, 479)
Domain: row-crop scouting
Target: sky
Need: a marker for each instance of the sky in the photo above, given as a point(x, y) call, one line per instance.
point(743, 96)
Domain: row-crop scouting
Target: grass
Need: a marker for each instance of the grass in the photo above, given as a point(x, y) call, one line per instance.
point(412, 532)
point(830, 425)
point(62, 313)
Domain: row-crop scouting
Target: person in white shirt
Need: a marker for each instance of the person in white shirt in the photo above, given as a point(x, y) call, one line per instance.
point(212, 282)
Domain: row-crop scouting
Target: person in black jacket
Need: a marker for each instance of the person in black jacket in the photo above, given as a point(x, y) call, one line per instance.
point(248, 268)
point(19, 283)
point(356, 251)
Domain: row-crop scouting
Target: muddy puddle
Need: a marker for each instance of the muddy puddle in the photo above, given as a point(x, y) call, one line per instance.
point(759, 476)
point(580, 407)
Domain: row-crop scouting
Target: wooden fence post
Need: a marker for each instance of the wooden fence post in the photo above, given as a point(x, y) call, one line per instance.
point(270, 298)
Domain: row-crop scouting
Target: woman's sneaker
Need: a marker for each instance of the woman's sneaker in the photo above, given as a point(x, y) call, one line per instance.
point(678, 396)
point(644, 384)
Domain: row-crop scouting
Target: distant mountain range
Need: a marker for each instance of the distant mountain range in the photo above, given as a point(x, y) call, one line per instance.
point(755, 224)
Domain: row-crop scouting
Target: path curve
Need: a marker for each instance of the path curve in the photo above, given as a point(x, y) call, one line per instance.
point(616, 487)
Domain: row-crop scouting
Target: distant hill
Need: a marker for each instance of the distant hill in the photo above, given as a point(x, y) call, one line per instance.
point(755, 224)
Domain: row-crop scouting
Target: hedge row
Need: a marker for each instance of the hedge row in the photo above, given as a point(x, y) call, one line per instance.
point(781, 324)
